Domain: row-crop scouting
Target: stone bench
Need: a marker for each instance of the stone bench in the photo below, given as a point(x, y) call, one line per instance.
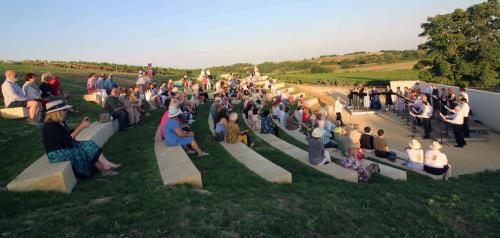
point(289, 90)
point(254, 161)
point(14, 113)
point(331, 169)
point(297, 95)
point(99, 132)
point(59, 177)
point(311, 102)
point(94, 98)
point(44, 176)
point(279, 85)
point(175, 165)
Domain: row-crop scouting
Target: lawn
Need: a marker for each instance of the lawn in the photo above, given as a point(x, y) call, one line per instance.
point(234, 201)
point(373, 77)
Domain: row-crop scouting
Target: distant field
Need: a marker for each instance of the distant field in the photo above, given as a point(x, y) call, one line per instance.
point(372, 77)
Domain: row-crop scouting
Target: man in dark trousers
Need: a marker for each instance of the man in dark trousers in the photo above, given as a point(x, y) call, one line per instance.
point(425, 115)
point(465, 111)
point(457, 120)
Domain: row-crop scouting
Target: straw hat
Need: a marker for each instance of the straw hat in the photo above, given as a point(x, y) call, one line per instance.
point(173, 112)
point(317, 133)
point(56, 105)
point(435, 145)
point(233, 116)
point(414, 144)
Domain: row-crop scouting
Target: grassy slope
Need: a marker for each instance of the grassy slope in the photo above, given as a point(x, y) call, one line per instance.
point(377, 77)
point(135, 203)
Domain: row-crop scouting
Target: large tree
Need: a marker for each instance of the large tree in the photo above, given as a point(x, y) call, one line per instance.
point(463, 46)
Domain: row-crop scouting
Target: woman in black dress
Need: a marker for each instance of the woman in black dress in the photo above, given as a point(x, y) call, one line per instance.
point(388, 98)
point(60, 144)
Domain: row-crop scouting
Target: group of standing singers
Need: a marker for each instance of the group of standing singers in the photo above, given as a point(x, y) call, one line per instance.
point(361, 98)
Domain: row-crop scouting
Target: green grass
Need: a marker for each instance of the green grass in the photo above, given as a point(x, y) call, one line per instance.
point(365, 77)
point(234, 201)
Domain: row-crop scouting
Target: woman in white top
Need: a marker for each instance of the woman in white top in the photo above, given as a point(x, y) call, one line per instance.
point(416, 155)
point(435, 161)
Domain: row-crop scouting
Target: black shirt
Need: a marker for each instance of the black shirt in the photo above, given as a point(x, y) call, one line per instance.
point(366, 141)
point(56, 137)
point(46, 90)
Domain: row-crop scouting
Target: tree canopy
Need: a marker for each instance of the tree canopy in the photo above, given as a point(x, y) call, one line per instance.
point(462, 46)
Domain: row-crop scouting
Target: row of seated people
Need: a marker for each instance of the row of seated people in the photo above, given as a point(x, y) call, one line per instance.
point(30, 95)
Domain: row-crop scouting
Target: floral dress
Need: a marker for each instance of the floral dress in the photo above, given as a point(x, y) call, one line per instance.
point(364, 173)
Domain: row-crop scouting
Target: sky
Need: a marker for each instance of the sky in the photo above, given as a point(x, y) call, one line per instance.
point(195, 34)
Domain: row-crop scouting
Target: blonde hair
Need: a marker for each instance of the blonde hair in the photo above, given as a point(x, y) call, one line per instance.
point(57, 116)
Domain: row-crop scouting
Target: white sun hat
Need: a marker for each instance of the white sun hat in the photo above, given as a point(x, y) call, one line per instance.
point(56, 105)
point(435, 145)
point(317, 133)
point(414, 144)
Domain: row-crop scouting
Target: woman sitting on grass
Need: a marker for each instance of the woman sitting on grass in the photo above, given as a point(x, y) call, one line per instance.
point(233, 132)
point(60, 144)
point(350, 161)
point(176, 134)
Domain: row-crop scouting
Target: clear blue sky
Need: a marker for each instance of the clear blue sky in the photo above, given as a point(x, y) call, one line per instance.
point(208, 33)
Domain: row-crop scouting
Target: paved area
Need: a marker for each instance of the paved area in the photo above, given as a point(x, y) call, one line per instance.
point(475, 157)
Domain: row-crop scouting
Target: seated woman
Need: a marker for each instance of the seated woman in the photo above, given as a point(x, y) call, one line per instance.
point(292, 123)
point(416, 155)
point(176, 135)
point(350, 161)
point(266, 124)
point(317, 153)
point(435, 161)
point(60, 144)
point(255, 119)
point(284, 114)
point(233, 132)
point(220, 127)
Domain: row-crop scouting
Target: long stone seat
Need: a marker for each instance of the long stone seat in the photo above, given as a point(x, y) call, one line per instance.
point(99, 132)
point(289, 90)
point(59, 177)
point(254, 161)
point(297, 95)
point(14, 113)
point(331, 169)
point(175, 165)
point(95, 98)
point(44, 176)
point(311, 102)
point(279, 85)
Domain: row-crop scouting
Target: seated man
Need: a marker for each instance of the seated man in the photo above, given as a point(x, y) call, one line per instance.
point(317, 153)
point(343, 141)
point(366, 140)
point(14, 97)
point(116, 108)
point(435, 161)
point(381, 147)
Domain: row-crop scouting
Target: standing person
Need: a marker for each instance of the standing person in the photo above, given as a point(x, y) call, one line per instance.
point(463, 94)
point(13, 97)
point(425, 116)
point(151, 72)
point(457, 120)
point(339, 105)
point(399, 100)
point(464, 105)
point(60, 144)
point(316, 150)
point(116, 108)
point(388, 98)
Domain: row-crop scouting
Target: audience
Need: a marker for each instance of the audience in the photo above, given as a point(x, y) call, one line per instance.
point(317, 153)
point(266, 124)
point(343, 141)
point(117, 109)
point(366, 140)
point(350, 161)
point(60, 144)
point(435, 161)
point(92, 84)
point(381, 147)
point(416, 155)
point(233, 132)
point(13, 97)
point(177, 134)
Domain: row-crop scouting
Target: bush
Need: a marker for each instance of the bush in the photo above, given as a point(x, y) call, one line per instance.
point(316, 69)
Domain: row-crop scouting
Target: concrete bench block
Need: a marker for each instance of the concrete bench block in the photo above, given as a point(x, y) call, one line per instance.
point(99, 132)
point(311, 102)
point(94, 98)
point(175, 165)
point(279, 85)
point(289, 90)
point(45, 176)
point(14, 113)
point(388, 171)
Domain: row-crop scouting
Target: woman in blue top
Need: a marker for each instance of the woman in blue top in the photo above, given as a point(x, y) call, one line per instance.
point(175, 135)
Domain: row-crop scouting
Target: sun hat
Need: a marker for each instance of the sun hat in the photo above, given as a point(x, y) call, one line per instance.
point(414, 144)
point(435, 145)
point(317, 133)
point(56, 105)
point(233, 116)
point(217, 99)
point(173, 111)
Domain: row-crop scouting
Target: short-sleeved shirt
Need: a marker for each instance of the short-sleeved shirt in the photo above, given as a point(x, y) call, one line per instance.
point(111, 104)
point(266, 125)
point(416, 159)
point(435, 159)
point(232, 133)
point(171, 138)
point(164, 120)
point(380, 144)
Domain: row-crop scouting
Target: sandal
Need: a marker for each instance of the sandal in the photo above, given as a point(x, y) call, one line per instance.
point(203, 153)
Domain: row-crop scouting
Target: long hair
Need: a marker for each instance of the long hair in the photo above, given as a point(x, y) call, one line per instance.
point(57, 116)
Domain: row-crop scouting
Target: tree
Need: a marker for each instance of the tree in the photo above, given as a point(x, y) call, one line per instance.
point(463, 46)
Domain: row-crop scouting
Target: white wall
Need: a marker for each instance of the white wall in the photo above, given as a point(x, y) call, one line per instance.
point(485, 105)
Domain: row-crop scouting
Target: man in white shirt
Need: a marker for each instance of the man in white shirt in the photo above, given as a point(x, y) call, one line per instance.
point(339, 105)
point(457, 120)
point(435, 161)
point(463, 94)
point(426, 115)
point(465, 111)
point(13, 97)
